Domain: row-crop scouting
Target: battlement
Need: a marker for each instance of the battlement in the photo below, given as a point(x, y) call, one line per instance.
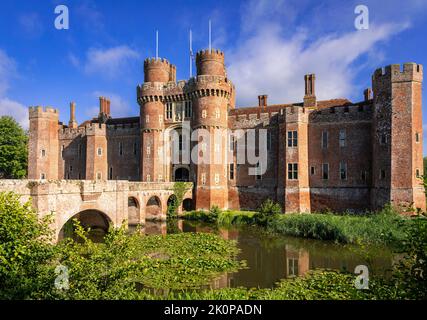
point(96, 129)
point(157, 62)
point(210, 54)
point(43, 112)
point(400, 73)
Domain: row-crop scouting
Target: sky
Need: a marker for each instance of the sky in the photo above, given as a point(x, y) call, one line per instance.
point(268, 45)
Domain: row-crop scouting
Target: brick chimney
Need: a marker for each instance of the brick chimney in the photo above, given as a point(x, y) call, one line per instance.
point(104, 106)
point(262, 100)
point(72, 123)
point(310, 92)
point(368, 94)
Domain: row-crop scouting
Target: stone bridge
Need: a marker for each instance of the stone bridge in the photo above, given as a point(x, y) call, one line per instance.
point(97, 202)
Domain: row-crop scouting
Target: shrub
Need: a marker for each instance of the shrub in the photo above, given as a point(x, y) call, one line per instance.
point(266, 211)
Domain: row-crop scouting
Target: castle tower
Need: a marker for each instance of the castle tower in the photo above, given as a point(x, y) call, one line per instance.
point(96, 152)
point(157, 72)
point(43, 146)
point(397, 136)
point(211, 99)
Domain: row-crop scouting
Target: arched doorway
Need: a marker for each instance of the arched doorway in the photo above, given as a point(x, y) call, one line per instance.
point(133, 211)
point(97, 221)
point(172, 205)
point(153, 208)
point(182, 174)
point(187, 204)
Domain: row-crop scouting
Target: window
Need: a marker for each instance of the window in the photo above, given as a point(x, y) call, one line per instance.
point(160, 118)
point(417, 173)
point(160, 177)
point(204, 113)
point(383, 139)
point(43, 152)
point(231, 171)
point(120, 148)
point(312, 171)
point(42, 176)
point(216, 147)
point(187, 109)
point(147, 118)
point(99, 151)
point(364, 175)
point(293, 267)
point(216, 178)
point(62, 151)
point(382, 174)
point(71, 168)
point(343, 170)
point(217, 113)
point(148, 150)
point(269, 140)
point(292, 171)
point(325, 171)
point(292, 138)
point(342, 138)
point(148, 178)
point(258, 171)
point(180, 142)
point(134, 148)
point(110, 173)
point(232, 142)
point(324, 139)
point(98, 175)
point(203, 178)
point(169, 110)
point(417, 137)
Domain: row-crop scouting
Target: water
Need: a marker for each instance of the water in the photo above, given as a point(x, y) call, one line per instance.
point(273, 257)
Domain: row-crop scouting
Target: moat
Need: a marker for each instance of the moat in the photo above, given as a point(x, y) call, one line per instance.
point(270, 257)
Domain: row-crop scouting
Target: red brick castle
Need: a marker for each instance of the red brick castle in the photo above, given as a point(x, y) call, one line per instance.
point(320, 154)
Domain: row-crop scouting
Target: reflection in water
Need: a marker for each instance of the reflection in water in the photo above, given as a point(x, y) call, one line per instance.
point(273, 257)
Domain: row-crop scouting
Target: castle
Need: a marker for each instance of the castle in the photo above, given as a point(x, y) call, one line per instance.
point(332, 154)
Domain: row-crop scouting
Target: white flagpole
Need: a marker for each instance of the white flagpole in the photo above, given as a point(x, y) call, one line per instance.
point(157, 44)
point(191, 54)
point(210, 36)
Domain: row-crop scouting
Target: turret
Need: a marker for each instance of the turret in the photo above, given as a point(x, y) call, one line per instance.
point(159, 70)
point(43, 146)
point(397, 136)
point(310, 91)
point(210, 62)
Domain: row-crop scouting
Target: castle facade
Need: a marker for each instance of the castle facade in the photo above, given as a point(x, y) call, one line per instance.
point(333, 154)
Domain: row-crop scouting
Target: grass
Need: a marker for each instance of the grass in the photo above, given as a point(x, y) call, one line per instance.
point(383, 227)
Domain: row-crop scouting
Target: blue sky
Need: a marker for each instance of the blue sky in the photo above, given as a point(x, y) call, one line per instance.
point(269, 46)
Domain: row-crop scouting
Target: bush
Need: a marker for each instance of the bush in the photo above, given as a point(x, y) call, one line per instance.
point(267, 210)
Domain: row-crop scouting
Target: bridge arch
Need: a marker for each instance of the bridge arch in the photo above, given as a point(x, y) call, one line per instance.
point(153, 208)
point(187, 204)
point(98, 221)
point(134, 211)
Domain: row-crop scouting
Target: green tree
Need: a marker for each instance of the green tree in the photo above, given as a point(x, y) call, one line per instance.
point(13, 149)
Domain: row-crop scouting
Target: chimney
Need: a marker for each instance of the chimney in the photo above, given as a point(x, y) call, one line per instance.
point(101, 105)
point(262, 100)
point(72, 123)
point(107, 107)
point(368, 94)
point(310, 92)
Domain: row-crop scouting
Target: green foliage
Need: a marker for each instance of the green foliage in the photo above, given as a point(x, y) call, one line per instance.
point(13, 149)
point(267, 211)
point(24, 247)
point(179, 190)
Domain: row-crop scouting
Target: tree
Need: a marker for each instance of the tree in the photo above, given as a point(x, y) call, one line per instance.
point(13, 149)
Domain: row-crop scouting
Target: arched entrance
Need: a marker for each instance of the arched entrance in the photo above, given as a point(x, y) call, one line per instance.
point(133, 211)
point(172, 205)
point(97, 221)
point(182, 174)
point(187, 204)
point(153, 208)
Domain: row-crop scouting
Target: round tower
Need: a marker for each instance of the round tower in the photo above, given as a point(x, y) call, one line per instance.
point(157, 72)
point(210, 62)
point(211, 100)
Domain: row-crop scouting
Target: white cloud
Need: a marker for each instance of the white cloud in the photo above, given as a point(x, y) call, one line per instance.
point(31, 23)
point(107, 62)
point(267, 62)
point(8, 107)
point(16, 110)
